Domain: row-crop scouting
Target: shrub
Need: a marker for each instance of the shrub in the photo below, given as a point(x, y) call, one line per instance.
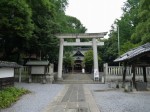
point(10, 95)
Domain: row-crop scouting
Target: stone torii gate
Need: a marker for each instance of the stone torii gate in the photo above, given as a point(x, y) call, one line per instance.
point(93, 43)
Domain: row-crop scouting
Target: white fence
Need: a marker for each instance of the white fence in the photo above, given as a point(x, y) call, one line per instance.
point(116, 73)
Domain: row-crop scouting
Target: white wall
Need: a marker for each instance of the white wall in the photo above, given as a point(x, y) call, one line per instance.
point(6, 72)
point(37, 69)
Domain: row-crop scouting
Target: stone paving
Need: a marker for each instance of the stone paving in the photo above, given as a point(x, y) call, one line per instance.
point(74, 98)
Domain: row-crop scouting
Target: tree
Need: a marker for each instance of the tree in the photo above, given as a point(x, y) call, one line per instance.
point(142, 32)
point(88, 60)
point(33, 24)
point(15, 27)
point(68, 60)
point(73, 25)
point(43, 39)
point(109, 51)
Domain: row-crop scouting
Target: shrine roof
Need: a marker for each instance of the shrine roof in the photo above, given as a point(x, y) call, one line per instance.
point(37, 63)
point(134, 53)
point(9, 64)
point(78, 53)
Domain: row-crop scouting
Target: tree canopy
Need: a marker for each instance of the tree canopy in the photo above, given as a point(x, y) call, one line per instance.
point(16, 26)
point(29, 26)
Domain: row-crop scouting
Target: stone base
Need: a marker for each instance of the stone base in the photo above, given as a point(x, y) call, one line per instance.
point(50, 79)
point(141, 86)
point(59, 79)
point(43, 81)
point(30, 80)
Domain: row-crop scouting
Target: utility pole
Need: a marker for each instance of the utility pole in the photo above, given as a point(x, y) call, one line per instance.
point(118, 42)
point(118, 46)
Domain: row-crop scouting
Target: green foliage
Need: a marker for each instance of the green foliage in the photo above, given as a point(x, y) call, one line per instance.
point(127, 46)
point(43, 19)
point(73, 25)
point(109, 51)
point(10, 95)
point(29, 27)
point(16, 26)
point(68, 59)
point(142, 32)
point(88, 58)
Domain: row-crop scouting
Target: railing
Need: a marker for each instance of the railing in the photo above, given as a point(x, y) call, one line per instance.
point(116, 72)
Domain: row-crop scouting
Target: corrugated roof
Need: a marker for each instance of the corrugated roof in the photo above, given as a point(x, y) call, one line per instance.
point(37, 63)
point(9, 64)
point(134, 52)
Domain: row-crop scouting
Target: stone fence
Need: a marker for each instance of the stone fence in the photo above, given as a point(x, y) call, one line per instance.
point(113, 73)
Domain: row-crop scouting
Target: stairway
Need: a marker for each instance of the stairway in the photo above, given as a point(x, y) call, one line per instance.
point(77, 78)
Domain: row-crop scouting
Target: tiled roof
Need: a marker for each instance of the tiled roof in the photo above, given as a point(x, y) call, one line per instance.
point(134, 52)
point(78, 53)
point(37, 63)
point(9, 64)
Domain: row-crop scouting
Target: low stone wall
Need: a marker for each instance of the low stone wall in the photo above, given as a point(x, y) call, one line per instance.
point(5, 82)
point(128, 78)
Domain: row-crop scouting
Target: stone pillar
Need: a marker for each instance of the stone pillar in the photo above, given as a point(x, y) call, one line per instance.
point(60, 63)
point(95, 57)
point(105, 72)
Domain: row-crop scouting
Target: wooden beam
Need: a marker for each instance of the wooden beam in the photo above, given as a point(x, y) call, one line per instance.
point(133, 72)
point(144, 74)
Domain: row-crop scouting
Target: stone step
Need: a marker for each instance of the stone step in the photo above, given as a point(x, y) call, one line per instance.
point(78, 82)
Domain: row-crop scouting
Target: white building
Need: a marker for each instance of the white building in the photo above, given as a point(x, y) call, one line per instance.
point(7, 73)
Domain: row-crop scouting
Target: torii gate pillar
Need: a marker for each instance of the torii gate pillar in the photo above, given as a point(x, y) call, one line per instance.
point(95, 58)
point(60, 61)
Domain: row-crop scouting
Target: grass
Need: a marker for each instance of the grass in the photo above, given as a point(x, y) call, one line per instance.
point(10, 95)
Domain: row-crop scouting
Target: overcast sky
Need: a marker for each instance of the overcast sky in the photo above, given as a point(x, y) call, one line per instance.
point(96, 15)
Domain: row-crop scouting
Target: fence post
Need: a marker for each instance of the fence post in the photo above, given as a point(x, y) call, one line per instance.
point(20, 69)
point(105, 72)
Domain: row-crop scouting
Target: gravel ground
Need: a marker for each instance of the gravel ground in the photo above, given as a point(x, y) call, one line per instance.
point(119, 101)
point(41, 95)
point(107, 99)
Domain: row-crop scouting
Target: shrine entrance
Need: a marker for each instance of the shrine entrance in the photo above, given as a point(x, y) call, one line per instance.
point(78, 66)
point(94, 43)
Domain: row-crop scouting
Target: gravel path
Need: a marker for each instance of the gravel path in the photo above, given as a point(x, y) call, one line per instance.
point(41, 95)
point(119, 101)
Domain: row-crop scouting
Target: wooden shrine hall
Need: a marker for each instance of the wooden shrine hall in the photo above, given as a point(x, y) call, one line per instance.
point(137, 57)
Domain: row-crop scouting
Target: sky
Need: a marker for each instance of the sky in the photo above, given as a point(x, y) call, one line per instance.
point(96, 15)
